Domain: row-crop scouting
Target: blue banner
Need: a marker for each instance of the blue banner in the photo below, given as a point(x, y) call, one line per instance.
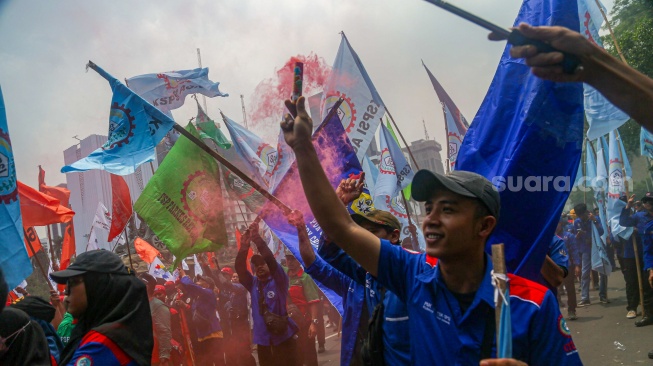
point(14, 260)
point(527, 139)
point(135, 128)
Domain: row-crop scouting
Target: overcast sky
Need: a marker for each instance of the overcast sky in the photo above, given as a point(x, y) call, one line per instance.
point(45, 45)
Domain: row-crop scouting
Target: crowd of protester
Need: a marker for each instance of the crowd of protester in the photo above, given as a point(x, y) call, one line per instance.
point(399, 306)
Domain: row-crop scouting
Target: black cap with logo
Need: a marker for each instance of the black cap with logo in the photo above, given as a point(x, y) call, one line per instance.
point(461, 182)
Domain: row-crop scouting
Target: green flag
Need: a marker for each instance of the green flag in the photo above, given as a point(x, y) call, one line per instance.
point(243, 191)
point(407, 190)
point(208, 130)
point(182, 203)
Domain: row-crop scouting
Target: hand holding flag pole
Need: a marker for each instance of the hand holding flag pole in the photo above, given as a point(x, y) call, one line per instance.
point(570, 63)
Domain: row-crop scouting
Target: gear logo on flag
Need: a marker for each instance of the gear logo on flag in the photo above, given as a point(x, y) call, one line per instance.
point(199, 194)
point(396, 208)
point(121, 126)
point(347, 110)
point(386, 165)
point(8, 190)
point(271, 157)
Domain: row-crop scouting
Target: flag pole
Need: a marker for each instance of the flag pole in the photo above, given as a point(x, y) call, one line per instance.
point(89, 237)
point(51, 246)
point(39, 264)
point(402, 138)
point(638, 266)
point(501, 284)
point(129, 252)
point(232, 167)
point(614, 39)
point(632, 239)
point(446, 132)
point(410, 222)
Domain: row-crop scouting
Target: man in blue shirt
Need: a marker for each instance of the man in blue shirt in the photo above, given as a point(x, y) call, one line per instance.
point(269, 291)
point(583, 230)
point(355, 316)
point(563, 232)
point(640, 220)
point(450, 304)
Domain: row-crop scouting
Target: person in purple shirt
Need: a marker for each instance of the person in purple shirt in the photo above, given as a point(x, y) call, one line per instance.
point(269, 291)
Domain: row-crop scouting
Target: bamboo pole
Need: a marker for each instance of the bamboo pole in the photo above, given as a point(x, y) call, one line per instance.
point(614, 39)
point(499, 267)
point(52, 257)
point(39, 264)
point(446, 141)
point(632, 238)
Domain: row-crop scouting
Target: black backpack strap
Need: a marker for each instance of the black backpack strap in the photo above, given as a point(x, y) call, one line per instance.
point(488, 335)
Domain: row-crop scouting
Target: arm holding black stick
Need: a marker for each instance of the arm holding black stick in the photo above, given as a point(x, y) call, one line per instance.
point(624, 86)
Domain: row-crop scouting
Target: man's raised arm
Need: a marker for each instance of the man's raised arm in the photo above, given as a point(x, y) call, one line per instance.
point(332, 216)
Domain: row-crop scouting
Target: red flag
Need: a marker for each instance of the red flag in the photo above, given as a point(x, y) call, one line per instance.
point(146, 251)
point(39, 209)
point(121, 208)
point(68, 247)
point(32, 238)
point(62, 194)
point(209, 258)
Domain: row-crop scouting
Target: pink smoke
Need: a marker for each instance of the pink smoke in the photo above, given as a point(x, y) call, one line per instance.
point(266, 106)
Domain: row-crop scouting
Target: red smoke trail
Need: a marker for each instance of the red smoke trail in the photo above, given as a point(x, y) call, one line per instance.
point(266, 104)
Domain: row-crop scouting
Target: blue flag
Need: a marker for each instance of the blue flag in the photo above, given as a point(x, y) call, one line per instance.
point(270, 162)
point(646, 143)
point(135, 128)
point(339, 161)
point(13, 257)
point(617, 168)
point(362, 108)
point(602, 116)
point(527, 139)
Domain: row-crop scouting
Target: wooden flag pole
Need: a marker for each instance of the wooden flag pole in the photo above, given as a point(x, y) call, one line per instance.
point(51, 246)
point(129, 252)
point(638, 266)
point(410, 222)
point(233, 168)
point(40, 265)
point(499, 264)
point(614, 39)
point(402, 138)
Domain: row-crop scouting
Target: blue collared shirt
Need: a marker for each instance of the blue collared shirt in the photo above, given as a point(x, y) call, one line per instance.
point(396, 335)
point(584, 239)
point(275, 293)
point(443, 335)
point(353, 299)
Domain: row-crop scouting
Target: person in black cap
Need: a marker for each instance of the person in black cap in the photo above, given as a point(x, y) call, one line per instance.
point(114, 324)
point(641, 221)
point(450, 304)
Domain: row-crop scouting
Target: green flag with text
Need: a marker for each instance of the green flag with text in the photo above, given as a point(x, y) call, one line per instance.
point(182, 203)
